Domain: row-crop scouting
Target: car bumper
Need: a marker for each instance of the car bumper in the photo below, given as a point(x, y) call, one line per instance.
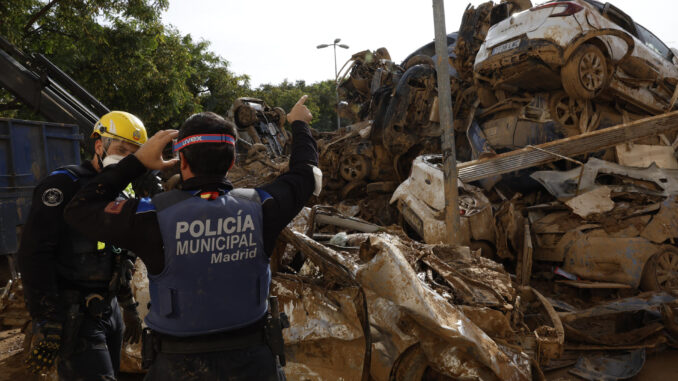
point(528, 55)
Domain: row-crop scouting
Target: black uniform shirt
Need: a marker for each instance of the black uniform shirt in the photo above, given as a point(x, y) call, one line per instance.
point(95, 214)
point(44, 229)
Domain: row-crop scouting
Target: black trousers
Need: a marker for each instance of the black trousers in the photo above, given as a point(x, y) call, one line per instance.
point(252, 363)
point(97, 353)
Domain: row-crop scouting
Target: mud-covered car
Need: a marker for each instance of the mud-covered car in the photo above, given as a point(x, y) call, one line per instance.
point(588, 48)
point(259, 124)
point(421, 202)
point(617, 224)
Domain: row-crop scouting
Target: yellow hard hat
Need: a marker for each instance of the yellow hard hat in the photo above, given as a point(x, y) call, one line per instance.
point(121, 125)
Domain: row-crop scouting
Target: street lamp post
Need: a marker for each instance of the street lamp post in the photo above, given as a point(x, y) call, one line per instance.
point(336, 73)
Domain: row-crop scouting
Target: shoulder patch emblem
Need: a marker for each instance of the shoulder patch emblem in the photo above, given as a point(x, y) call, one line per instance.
point(52, 197)
point(115, 207)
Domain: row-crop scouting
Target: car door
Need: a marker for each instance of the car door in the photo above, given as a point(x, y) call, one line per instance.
point(648, 67)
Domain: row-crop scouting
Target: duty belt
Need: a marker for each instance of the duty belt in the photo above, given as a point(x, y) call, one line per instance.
point(208, 343)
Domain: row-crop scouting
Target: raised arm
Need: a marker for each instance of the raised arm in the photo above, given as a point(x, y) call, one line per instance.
point(291, 190)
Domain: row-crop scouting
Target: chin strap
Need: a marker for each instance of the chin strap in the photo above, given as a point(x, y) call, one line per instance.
point(100, 159)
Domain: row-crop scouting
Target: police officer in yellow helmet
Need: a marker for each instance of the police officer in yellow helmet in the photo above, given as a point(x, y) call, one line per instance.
point(117, 134)
point(74, 287)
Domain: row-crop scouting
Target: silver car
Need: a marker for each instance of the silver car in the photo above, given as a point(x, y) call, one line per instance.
point(587, 48)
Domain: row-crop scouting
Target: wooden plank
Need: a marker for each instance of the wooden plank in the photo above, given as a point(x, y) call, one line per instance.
point(573, 146)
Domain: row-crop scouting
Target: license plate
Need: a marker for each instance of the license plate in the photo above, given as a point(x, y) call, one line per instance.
point(505, 47)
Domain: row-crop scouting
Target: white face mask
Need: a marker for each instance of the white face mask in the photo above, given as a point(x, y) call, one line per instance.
point(111, 159)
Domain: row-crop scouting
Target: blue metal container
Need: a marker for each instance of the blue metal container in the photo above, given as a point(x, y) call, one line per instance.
point(29, 151)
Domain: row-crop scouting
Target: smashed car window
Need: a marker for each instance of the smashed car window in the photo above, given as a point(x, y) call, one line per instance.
point(620, 18)
point(652, 42)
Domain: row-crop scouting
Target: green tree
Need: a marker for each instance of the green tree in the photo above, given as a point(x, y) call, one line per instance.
point(321, 99)
point(121, 53)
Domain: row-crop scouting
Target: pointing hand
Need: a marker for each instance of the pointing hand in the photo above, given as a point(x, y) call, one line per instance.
point(300, 112)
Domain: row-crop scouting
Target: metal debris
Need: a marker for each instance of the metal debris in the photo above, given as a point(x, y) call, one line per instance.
point(621, 366)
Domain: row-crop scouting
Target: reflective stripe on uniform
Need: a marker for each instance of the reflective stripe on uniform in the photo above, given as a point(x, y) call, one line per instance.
point(263, 195)
point(145, 205)
point(129, 191)
point(64, 172)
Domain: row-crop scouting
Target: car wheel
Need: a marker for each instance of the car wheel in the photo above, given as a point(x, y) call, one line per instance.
point(354, 167)
point(661, 271)
point(419, 59)
point(585, 74)
point(566, 110)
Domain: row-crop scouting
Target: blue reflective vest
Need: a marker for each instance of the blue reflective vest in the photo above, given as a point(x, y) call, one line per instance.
point(216, 276)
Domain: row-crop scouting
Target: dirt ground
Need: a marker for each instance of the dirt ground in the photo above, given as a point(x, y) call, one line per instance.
point(660, 366)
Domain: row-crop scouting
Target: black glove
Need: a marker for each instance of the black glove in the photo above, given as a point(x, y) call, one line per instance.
point(148, 184)
point(46, 348)
point(132, 324)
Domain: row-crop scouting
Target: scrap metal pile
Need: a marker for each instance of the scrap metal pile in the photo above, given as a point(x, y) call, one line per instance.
point(567, 200)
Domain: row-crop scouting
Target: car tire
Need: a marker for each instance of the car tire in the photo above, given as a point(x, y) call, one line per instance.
point(585, 74)
point(660, 271)
point(419, 59)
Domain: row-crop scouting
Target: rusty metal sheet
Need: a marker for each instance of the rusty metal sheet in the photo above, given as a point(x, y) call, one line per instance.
point(652, 180)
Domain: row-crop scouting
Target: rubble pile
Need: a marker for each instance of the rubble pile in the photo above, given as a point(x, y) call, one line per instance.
point(413, 294)
point(407, 302)
point(571, 192)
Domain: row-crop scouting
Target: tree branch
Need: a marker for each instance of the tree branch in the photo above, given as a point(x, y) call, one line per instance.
point(69, 35)
point(39, 14)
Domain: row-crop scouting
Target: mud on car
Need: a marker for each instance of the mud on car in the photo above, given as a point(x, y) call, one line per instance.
point(589, 49)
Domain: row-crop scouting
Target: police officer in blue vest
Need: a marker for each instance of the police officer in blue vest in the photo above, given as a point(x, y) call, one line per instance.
point(75, 287)
point(206, 247)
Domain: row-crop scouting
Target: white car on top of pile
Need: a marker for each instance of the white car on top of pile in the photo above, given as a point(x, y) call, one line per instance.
point(588, 48)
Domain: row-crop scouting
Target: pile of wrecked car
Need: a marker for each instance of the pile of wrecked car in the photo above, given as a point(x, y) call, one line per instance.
point(567, 142)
